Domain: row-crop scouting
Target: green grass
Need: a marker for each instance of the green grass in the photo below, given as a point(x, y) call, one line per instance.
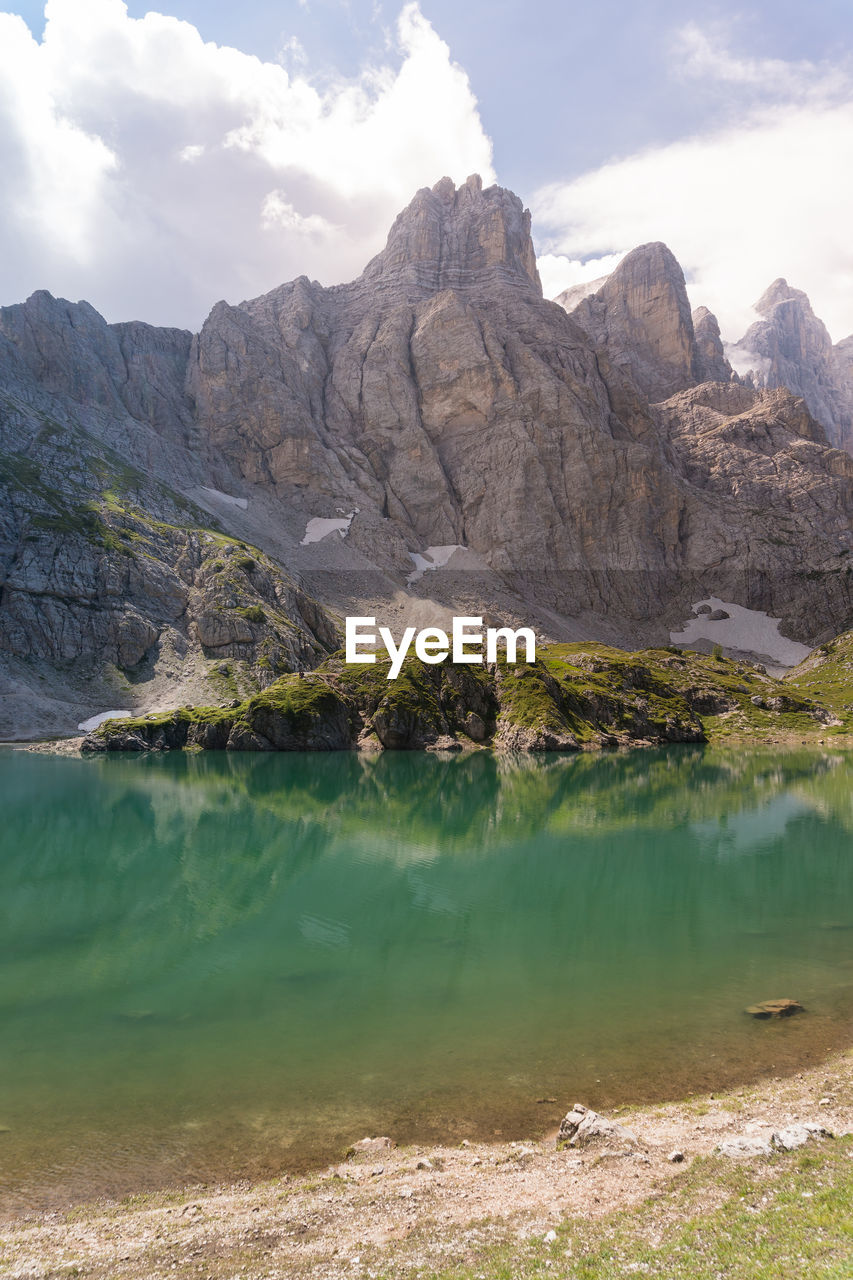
point(789, 1217)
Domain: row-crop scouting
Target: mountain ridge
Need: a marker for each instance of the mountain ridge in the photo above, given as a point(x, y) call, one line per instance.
point(597, 472)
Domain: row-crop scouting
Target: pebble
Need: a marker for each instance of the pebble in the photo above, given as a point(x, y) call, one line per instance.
point(550, 1237)
point(675, 1157)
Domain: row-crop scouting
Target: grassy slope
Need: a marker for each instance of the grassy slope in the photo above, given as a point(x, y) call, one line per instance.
point(586, 695)
point(767, 1219)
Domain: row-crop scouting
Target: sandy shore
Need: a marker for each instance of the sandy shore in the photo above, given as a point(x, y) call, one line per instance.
point(387, 1212)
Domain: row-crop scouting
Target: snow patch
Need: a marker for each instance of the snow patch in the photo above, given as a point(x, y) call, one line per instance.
point(242, 503)
point(95, 722)
point(432, 558)
point(319, 527)
point(747, 629)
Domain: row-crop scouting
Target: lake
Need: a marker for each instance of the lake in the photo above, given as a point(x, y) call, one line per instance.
point(220, 965)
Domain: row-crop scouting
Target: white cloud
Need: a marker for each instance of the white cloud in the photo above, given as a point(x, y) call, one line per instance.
point(154, 173)
point(702, 53)
point(55, 172)
point(558, 273)
point(293, 51)
point(767, 194)
point(277, 211)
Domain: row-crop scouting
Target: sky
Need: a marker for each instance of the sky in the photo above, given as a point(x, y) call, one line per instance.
point(156, 161)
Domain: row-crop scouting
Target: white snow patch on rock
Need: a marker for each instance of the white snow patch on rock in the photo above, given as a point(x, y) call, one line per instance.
point(747, 629)
point(242, 503)
point(319, 527)
point(432, 558)
point(95, 722)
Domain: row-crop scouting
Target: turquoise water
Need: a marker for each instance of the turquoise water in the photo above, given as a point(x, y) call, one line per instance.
point(216, 966)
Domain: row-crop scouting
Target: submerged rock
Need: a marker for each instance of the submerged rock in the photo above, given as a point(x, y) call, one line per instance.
point(775, 1009)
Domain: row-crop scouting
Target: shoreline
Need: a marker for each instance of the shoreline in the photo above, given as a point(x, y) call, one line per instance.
point(393, 1211)
point(72, 746)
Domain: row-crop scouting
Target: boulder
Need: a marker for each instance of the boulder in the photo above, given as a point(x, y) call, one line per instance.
point(367, 1147)
point(582, 1127)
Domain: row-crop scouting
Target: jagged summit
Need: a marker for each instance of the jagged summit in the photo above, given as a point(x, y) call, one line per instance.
point(779, 291)
point(791, 347)
point(453, 238)
point(72, 350)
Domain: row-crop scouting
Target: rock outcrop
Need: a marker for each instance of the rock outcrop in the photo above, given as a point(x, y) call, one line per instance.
point(582, 1127)
point(573, 698)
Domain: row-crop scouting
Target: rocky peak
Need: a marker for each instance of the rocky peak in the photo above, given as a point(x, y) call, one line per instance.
point(712, 365)
point(779, 291)
point(642, 316)
point(790, 347)
point(459, 238)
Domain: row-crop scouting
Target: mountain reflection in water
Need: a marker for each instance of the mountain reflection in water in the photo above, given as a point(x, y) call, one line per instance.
point(222, 965)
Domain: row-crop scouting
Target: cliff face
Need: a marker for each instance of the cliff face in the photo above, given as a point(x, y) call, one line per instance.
point(596, 470)
point(641, 316)
point(112, 582)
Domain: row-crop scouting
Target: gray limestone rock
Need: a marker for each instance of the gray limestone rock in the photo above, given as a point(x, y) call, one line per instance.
point(764, 1141)
point(582, 1127)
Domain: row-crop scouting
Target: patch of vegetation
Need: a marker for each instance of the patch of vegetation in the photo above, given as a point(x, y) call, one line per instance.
point(252, 613)
point(19, 471)
point(530, 699)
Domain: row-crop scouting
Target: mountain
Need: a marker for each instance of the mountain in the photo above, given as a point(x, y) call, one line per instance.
point(185, 516)
point(790, 347)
